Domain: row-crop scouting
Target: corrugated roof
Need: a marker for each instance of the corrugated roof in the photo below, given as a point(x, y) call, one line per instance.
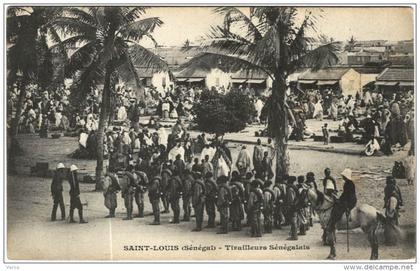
point(324, 74)
point(251, 74)
point(393, 74)
point(176, 56)
point(191, 73)
point(369, 70)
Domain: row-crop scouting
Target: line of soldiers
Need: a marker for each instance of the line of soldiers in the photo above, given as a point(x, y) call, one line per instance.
point(262, 204)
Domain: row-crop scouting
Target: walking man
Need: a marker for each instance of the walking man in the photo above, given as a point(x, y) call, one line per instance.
point(154, 198)
point(268, 199)
point(211, 194)
point(255, 204)
point(175, 190)
point(75, 202)
point(187, 184)
point(198, 199)
point(224, 200)
point(141, 188)
point(291, 200)
point(57, 192)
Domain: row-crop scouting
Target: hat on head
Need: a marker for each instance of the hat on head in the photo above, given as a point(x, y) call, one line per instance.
point(301, 179)
point(291, 179)
point(73, 168)
point(346, 173)
point(60, 165)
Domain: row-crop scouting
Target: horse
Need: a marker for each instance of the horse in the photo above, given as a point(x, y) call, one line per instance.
point(362, 216)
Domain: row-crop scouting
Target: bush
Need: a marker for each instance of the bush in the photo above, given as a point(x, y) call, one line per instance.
point(220, 114)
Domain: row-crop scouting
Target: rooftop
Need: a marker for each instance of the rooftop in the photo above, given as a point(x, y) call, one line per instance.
point(394, 74)
point(324, 74)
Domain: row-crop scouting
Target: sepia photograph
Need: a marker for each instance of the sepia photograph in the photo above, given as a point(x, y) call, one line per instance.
point(275, 133)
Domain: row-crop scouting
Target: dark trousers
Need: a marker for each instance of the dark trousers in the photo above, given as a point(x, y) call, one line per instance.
point(186, 206)
point(278, 217)
point(156, 210)
point(139, 198)
point(199, 213)
point(128, 202)
point(224, 219)
point(75, 203)
point(58, 200)
point(255, 221)
point(268, 220)
point(165, 202)
point(293, 223)
point(211, 212)
point(337, 212)
point(175, 208)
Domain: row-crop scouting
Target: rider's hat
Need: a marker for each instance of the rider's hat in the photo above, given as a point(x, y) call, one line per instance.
point(347, 174)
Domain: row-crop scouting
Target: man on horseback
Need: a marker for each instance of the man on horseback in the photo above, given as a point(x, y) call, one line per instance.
point(345, 203)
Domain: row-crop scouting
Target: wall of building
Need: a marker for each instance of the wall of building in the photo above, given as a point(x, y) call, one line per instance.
point(217, 78)
point(366, 78)
point(350, 83)
point(161, 81)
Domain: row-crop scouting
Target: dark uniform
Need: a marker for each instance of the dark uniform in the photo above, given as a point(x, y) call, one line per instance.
point(164, 186)
point(154, 198)
point(110, 195)
point(211, 196)
point(269, 198)
point(302, 206)
point(57, 194)
point(75, 202)
point(247, 189)
point(291, 201)
point(198, 199)
point(279, 190)
point(224, 199)
point(175, 190)
point(140, 190)
point(255, 204)
point(392, 188)
point(236, 208)
point(186, 195)
point(128, 194)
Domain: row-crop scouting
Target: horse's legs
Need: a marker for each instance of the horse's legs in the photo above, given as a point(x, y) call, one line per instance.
point(330, 238)
point(373, 240)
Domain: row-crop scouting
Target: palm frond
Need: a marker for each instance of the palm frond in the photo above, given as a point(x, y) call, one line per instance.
point(323, 56)
point(72, 26)
point(138, 29)
point(141, 56)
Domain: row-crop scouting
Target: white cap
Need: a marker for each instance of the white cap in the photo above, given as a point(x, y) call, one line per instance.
point(346, 173)
point(73, 168)
point(60, 165)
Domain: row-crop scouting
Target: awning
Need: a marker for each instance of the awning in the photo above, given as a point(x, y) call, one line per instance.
point(307, 81)
point(192, 80)
point(181, 79)
point(324, 83)
point(255, 81)
point(238, 81)
point(407, 84)
point(386, 83)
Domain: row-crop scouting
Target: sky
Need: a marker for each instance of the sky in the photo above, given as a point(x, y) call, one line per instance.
point(340, 23)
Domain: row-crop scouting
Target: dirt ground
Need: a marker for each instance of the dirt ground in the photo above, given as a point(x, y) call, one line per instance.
point(31, 236)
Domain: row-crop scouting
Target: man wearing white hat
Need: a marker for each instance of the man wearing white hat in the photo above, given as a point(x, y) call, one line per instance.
point(347, 200)
point(57, 192)
point(75, 202)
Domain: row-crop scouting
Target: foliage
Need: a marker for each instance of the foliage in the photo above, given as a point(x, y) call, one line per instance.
point(220, 114)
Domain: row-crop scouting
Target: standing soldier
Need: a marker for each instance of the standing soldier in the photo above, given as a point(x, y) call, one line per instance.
point(175, 190)
point(224, 199)
point(236, 209)
point(211, 196)
point(186, 194)
point(247, 190)
point(141, 188)
point(75, 202)
point(291, 198)
point(268, 200)
point(310, 182)
point(279, 190)
point(302, 205)
point(255, 203)
point(57, 192)
point(164, 186)
point(154, 198)
point(129, 190)
point(110, 193)
point(198, 199)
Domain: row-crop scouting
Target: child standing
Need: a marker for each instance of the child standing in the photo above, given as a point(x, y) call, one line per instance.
point(326, 134)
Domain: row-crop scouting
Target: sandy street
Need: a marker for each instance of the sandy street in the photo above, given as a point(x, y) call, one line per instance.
point(31, 236)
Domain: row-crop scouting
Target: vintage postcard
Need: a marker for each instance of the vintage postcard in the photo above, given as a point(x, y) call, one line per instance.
point(210, 133)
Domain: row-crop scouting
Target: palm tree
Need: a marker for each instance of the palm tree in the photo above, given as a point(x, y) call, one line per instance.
point(28, 57)
point(107, 40)
point(271, 40)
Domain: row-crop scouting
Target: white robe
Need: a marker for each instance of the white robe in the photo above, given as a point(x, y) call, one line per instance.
point(162, 136)
point(175, 151)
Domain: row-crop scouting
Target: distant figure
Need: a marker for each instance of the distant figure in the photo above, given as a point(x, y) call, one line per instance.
point(57, 192)
point(326, 134)
point(75, 202)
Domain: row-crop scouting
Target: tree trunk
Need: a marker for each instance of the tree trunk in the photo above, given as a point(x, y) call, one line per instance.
point(281, 135)
point(103, 119)
point(14, 149)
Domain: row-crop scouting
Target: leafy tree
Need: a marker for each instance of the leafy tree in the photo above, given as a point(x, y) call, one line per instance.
point(220, 114)
point(272, 40)
point(107, 40)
